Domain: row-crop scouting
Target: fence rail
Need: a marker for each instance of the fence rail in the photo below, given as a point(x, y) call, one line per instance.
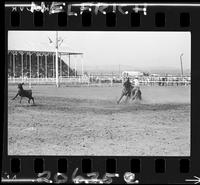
point(100, 81)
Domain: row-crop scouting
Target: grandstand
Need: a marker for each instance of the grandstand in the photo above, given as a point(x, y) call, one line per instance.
point(39, 64)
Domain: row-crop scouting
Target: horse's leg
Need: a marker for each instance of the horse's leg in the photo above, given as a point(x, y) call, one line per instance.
point(133, 94)
point(127, 97)
point(120, 98)
point(133, 97)
point(138, 95)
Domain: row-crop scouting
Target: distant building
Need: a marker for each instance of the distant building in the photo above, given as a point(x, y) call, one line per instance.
point(132, 73)
point(155, 75)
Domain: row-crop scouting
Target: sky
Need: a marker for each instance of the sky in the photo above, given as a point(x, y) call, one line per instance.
point(111, 49)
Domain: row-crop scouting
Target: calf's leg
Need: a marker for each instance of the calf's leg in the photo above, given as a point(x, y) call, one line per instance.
point(20, 99)
point(15, 96)
point(33, 100)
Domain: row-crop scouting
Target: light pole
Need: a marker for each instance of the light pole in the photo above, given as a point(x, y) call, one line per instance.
point(181, 64)
point(57, 44)
point(57, 79)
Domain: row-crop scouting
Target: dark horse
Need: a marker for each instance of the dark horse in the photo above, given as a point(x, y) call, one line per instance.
point(134, 94)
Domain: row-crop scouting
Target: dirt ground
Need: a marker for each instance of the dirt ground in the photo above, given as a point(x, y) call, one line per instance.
point(88, 121)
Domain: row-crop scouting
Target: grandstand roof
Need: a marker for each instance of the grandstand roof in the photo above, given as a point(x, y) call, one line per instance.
point(45, 52)
point(42, 46)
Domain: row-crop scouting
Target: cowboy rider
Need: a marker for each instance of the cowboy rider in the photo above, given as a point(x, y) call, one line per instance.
point(128, 86)
point(136, 86)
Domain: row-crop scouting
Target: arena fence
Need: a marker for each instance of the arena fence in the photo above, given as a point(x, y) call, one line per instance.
point(103, 81)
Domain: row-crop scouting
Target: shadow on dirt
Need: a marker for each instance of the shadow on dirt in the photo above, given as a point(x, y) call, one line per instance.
point(28, 105)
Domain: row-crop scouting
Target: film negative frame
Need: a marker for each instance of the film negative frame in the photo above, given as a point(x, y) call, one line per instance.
point(108, 169)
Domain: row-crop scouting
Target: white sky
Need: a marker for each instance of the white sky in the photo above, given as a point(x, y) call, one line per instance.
point(136, 49)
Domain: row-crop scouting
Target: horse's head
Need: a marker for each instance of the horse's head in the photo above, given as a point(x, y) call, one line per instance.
point(20, 86)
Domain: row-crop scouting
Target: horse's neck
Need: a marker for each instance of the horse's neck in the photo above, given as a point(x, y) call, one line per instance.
point(21, 89)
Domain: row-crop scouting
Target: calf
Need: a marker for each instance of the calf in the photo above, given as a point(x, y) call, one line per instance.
point(24, 93)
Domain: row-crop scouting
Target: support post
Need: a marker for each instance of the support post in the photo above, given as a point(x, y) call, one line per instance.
point(46, 66)
point(60, 66)
point(26, 61)
point(22, 66)
point(75, 68)
point(68, 65)
point(14, 67)
point(10, 64)
point(82, 65)
point(38, 71)
point(57, 80)
point(10, 60)
point(29, 70)
point(53, 66)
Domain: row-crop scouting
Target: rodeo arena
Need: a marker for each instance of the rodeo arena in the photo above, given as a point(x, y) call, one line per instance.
point(76, 112)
